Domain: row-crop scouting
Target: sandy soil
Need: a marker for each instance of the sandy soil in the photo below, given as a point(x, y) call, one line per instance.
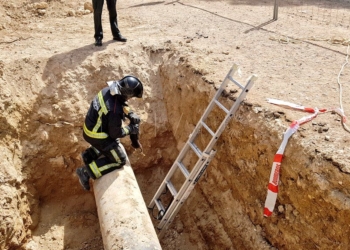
point(49, 68)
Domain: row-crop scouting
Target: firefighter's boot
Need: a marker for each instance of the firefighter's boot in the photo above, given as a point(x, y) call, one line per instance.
point(83, 178)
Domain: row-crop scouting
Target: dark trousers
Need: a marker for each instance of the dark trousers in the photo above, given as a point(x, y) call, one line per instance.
point(114, 156)
point(98, 6)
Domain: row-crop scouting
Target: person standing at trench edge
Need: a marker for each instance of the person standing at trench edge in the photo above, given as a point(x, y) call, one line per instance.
point(104, 126)
point(112, 9)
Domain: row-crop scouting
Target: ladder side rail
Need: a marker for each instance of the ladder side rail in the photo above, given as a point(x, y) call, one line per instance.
point(188, 145)
point(173, 168)
point(229, 116)
point(169, 174)
point(158, 193)
point(187, 192)
point(182, 190)
point(218, 93)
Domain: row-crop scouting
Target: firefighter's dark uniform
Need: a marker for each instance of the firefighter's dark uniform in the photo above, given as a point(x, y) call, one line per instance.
point(102, 128)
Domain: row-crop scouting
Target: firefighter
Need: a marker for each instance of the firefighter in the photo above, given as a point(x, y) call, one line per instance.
point(104, 126)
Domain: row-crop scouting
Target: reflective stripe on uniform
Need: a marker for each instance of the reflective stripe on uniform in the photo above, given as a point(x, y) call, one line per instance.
point(94, 134)
point(95, 150)
point(102, 103)
point(95, 169)
point(126, 130)
point(98, 122)
point(111, 165)
point(116, 157)
point(102, 111)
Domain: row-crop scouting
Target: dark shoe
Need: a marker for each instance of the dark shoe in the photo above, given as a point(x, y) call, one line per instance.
point(98, 42)
point(83, 178)
point(119, 38)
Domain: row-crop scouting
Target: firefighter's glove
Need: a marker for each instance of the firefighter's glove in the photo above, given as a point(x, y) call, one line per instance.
point(135, 141)
point(134, 118)
point(133, 129)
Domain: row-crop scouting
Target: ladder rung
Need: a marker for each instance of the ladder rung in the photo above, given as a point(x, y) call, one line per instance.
point(171, 188)
point(159, 205)
point(183, 169)
point(195, 149)
point(235, 82)
point(222, 106)
point(208, 129)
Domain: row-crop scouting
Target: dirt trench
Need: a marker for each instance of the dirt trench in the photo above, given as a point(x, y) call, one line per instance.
point(44, 207)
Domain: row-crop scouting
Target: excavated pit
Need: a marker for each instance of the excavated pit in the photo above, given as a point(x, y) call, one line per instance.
point(47, 209)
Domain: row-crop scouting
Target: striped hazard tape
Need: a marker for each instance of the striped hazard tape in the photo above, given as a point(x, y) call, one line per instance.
point(276, 165)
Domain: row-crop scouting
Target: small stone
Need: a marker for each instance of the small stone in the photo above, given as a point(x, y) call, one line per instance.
point(280, 208)
point(79, 12)
point(44, 135)
point(88, 6)
point(327, 138)
point(42, 5)
point(41, 12)
point(276, 115)
point(295, 212)
point(257, 109)
point(71, 13)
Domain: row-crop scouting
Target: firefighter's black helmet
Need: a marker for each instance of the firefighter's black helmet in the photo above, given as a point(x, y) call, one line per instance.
point(130, 86)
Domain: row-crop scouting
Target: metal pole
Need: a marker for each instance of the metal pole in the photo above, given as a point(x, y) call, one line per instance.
point(275, 10)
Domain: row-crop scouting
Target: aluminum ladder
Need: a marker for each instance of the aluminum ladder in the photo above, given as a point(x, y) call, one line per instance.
point(167, 213)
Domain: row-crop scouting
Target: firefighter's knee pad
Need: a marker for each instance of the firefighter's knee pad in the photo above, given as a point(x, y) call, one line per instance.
point(90, 155)
point(116, 154)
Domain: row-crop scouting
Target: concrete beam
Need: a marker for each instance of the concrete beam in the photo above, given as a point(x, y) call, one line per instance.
point(124, 219)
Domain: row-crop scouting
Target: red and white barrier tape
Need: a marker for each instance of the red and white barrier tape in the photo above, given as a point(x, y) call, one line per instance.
point(276, 166)
point(285, 104)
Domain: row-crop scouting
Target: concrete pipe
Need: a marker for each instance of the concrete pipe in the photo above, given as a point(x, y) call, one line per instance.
point(123, 215)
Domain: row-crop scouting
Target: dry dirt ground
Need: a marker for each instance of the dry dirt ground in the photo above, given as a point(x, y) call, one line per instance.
point(50, 70)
